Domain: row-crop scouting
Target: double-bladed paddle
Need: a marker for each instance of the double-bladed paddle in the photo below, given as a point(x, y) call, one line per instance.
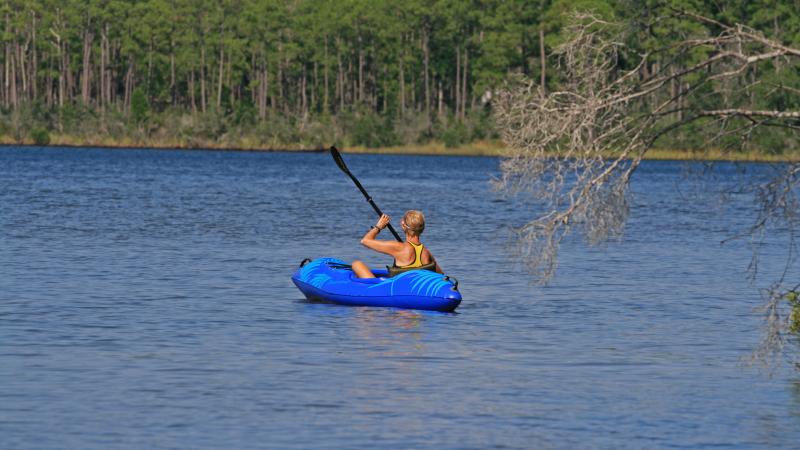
point(340, 162)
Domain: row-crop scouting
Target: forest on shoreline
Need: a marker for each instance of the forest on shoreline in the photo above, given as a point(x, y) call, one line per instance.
point(270, 74)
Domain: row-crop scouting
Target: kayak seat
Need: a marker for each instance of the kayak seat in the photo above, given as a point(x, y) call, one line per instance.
point(394, 270)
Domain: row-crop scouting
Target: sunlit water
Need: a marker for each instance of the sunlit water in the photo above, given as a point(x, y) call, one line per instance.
point(146, 302)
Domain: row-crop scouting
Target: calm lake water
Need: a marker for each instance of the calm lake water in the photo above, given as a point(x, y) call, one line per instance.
point(146, 302)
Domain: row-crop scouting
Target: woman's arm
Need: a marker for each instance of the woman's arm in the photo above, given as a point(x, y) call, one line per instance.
point(426, 254)
point(437, 267)
point(369, 240)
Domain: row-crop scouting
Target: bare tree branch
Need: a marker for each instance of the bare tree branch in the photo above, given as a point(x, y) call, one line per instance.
point(574, 150)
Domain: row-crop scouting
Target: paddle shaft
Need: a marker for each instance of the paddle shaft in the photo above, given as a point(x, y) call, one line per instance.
point(340, 162)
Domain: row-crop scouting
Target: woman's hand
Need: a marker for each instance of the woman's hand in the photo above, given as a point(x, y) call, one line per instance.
point(383, 221)
point(371, 241)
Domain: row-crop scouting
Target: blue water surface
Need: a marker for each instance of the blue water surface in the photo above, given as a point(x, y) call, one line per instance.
point(146, 302)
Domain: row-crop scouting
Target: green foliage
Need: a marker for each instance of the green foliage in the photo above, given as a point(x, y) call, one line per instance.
point(372, 130)
point(245, 114)
point(210, 126)
point(139, 105)
point(372, 71)
point(40, 136)
point(76, 119)
point(455, 134)
point(277, 132)
point(559, 13)
point(481, 124)
point(411, 129)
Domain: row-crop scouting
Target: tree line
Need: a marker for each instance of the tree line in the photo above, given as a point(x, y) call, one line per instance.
point(295, 58)
point(435, 64)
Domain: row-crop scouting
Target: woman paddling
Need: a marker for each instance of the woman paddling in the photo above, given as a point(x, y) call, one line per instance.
point(407, 255)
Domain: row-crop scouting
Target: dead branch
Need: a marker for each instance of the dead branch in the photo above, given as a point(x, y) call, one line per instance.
point(574, 150)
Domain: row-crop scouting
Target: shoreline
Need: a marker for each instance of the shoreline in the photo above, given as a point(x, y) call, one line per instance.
point(479, 148)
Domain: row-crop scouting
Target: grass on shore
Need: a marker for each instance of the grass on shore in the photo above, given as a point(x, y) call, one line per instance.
point(487, 148)
point(665, 154)
point(478, 148)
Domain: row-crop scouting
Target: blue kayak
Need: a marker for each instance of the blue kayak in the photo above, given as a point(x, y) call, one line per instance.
point(332, 280)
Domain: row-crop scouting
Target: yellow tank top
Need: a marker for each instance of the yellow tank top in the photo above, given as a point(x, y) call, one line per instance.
point(417, 256)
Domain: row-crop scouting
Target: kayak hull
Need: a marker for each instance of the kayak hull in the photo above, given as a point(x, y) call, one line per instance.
point(331, 280)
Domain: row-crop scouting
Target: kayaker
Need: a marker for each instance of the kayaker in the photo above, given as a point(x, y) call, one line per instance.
point(410, 254)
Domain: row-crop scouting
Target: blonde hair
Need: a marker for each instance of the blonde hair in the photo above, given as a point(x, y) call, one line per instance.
point(414, 221)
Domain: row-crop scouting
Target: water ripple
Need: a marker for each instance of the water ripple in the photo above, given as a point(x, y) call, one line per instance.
point(145, 302)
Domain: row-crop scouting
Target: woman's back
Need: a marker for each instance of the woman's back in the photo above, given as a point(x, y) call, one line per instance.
point(413, 255)
point(407, 255)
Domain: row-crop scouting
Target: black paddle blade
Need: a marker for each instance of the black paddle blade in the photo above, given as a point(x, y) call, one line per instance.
point(339, 161)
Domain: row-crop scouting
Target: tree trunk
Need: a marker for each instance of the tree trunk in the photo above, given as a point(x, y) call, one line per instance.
point(279, 80)
point(266, 88)
point(262, 92)
point(385, 94)
point(62, 75)
point(112, 74)
point(464, 83)
point(173, 89)
point(203, 102)
point(105, 73)
point(542, 61)
point(440, 103)
point(232, 91)
point(360, 70)
point(325, 101)
point(413, 90)
point(88, 37)
point(402, 84)
point(255, 72)
point(191, 91)
point(426, 59)
point(35, 65)
point(458, 82)
point(373, 92)
point(303, 94)
point(3, 83)
point(128, 84)
point(273, 102)
point(48, 94)
point(221, 62)
point(102, 96)
point(7, 67)
point(314, 89)
point(21, 50)
point(673, 89)
point(340, 78)
point(70, 77)
point(353, 85)
point(12, 89)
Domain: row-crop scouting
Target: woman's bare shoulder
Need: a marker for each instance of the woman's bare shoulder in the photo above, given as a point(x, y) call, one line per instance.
point(426, 256)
